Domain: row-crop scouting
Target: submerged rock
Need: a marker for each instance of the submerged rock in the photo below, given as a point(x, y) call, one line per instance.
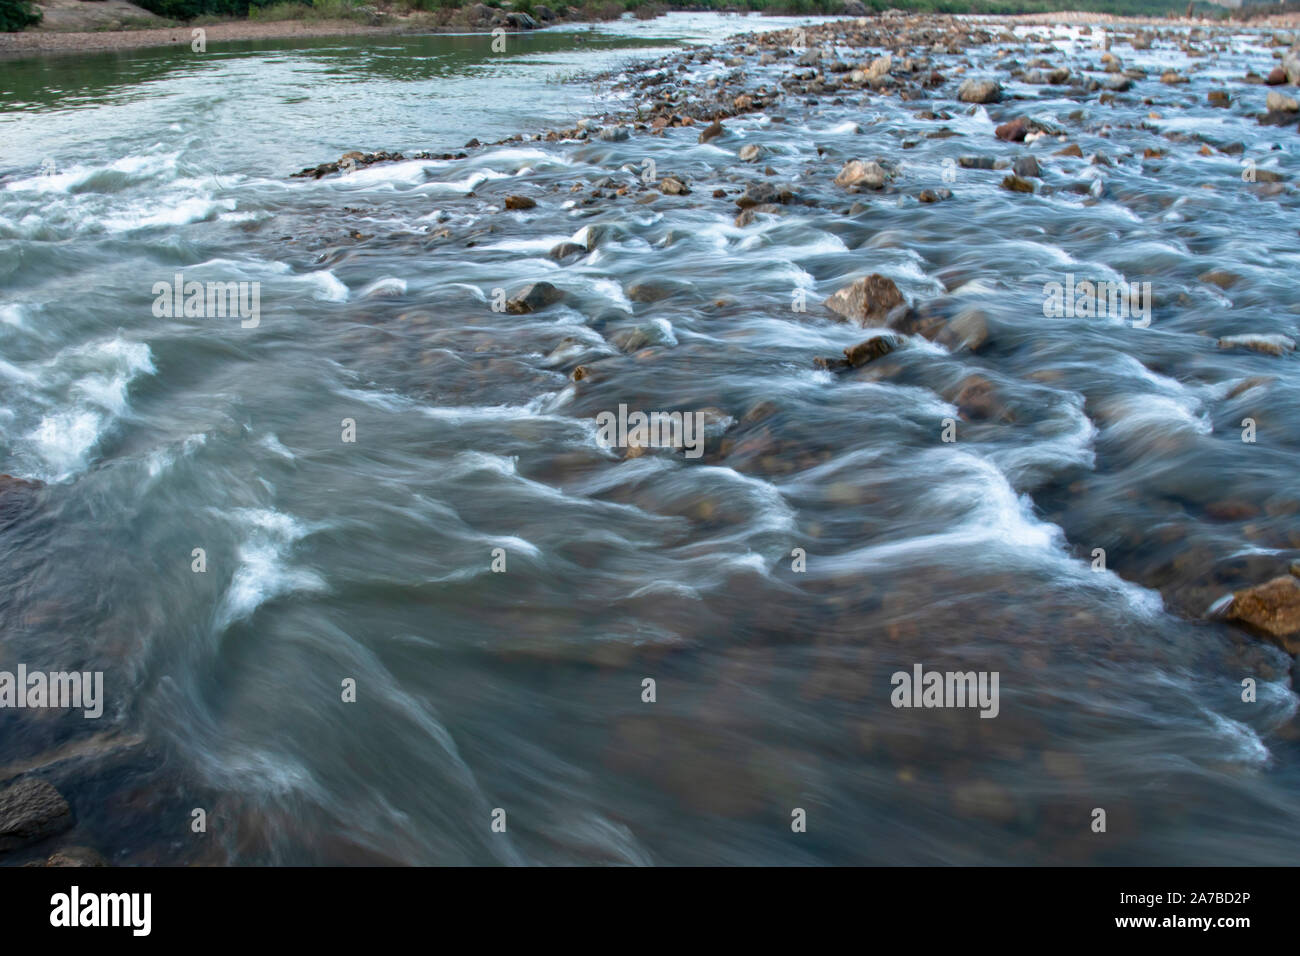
point(654, 289)
point(712, 131)
point(763, 194)
point(873, 348)
point(563, 250)
point(967, 330)
point(76, 856)
point(978, 399)
point(1268, 344)
point(1246, 384)
point(1278, 118)
point(831, 364)
point(1220, 277)
point(15, 493)
point(11, 485)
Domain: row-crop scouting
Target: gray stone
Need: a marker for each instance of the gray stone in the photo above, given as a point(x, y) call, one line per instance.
point(30, 811)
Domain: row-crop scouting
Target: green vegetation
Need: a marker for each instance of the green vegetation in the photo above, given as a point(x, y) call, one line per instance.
point(189, 9)
point(17, 14)
point(316, 10)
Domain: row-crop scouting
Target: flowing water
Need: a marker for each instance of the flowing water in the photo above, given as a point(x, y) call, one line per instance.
point(827, 538)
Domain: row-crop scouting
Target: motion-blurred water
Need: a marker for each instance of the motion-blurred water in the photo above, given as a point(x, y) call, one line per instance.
point(372, 560)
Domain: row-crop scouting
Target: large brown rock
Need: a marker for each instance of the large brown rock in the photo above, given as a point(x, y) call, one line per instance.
point(867, 301)
point(1273, 608)
point(858, 175)
point(30, 811)
point(1013, 131)
point(534, 297)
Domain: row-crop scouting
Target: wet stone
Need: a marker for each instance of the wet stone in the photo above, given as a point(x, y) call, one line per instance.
point(30, 811)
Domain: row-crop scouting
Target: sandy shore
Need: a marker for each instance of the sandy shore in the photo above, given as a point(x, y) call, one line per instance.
point(38, 42)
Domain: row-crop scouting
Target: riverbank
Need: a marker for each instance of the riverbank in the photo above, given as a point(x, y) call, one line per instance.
point(139, 35)
point(118, 25)
point(36, 42)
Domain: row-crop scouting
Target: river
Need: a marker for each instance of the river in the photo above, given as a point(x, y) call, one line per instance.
point(362, 580)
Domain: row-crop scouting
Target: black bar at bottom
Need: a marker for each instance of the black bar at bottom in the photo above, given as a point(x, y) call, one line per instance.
point(331, 906)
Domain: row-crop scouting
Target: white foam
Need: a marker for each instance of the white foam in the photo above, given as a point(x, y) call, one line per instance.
point(387, 286)
point(83, 392)
point(271, 443)
point(63, 439)
point(264, 573)
point(327, 287)
point(182, 212)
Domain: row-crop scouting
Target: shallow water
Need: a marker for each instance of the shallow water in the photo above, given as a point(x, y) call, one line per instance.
point(373, 560)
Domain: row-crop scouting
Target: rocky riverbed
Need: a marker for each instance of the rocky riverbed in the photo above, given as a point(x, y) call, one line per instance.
point(945, 75)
